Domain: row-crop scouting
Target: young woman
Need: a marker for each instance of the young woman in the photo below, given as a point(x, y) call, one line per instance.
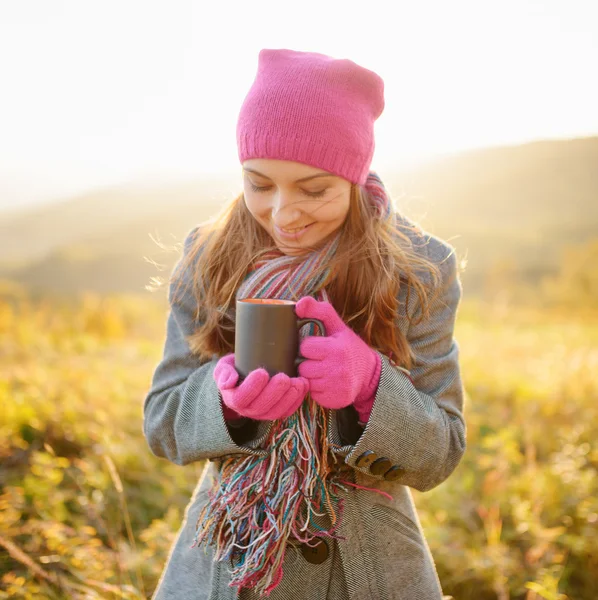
point(308, 495)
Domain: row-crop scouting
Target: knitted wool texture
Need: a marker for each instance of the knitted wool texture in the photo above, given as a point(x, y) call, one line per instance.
point(313, 109)
point(259, 503)
point(341, 368)
point(280, 273)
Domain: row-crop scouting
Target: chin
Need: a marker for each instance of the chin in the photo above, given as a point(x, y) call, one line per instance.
point(305, 248)
point(292, 251)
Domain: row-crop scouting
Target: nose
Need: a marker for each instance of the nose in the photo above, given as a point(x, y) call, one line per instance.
point(285, 209)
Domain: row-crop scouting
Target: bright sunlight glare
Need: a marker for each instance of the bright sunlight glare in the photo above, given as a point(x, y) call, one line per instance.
point(104, 92)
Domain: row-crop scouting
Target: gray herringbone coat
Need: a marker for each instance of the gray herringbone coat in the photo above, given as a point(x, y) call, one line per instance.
point(417, 423)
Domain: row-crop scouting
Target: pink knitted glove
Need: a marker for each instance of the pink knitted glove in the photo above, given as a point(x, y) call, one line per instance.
point(341, 368)
point(259, 396)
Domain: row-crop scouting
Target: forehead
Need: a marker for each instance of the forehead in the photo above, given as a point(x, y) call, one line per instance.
point(282, 170)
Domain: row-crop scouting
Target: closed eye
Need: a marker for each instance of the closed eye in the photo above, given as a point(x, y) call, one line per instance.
point(265, 188)
point(257, 188)
point(315, 194)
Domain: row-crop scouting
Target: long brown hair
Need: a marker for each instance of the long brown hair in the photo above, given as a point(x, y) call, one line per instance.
point(374, 259)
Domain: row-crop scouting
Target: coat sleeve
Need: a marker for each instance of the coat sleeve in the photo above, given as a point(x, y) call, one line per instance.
point(182, 412)
point(417, 421)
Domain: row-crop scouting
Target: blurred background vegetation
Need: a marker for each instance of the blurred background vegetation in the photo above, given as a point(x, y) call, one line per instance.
point(510, 211)
point(86, 511)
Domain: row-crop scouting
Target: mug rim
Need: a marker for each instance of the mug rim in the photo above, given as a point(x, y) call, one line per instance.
point(268, 301)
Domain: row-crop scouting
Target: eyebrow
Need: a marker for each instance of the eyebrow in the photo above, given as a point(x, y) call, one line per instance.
point(298, 180)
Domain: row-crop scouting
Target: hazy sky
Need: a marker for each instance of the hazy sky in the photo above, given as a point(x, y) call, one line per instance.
point(99, 92)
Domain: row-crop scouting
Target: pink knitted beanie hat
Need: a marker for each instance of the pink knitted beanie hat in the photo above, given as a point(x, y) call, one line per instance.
point(313, 109)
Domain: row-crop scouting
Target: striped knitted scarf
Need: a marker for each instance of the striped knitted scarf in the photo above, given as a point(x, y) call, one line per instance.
point(259, 503)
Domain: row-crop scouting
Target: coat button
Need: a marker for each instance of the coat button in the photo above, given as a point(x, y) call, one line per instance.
point(393, 473)
point(366, 459)
point(316, 554)
point(380, 466)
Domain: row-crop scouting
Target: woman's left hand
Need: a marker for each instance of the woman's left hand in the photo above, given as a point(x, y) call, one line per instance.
point(340, 367)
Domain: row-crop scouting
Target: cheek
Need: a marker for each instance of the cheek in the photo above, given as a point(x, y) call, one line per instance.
point(255, 205)
point(334, 212)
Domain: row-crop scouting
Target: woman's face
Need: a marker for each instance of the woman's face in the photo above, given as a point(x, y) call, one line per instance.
point(298, 205)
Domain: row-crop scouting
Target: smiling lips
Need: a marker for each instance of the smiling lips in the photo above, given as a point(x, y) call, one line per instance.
point(291, 234)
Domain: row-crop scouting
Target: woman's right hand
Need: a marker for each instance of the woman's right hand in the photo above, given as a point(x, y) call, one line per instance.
point(259, 396)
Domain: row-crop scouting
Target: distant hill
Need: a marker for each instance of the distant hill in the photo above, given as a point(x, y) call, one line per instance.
point(519, 205)
point(94, 219)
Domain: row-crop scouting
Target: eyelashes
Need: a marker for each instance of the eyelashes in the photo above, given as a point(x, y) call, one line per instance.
point(257, 188)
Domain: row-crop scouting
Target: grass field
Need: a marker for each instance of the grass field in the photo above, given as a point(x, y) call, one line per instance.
point(86, 511)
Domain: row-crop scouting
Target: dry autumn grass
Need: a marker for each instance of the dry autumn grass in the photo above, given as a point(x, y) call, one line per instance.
point(86, 511)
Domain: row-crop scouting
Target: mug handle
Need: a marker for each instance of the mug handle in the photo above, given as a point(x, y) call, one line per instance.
point(321, 329)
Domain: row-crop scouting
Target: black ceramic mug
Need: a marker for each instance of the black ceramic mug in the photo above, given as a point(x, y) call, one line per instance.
point(267, 336)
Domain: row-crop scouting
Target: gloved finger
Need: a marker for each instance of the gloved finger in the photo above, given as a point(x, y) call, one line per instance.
point(299, 387)
point(313, 370)
point(318, 385)
point(335, 402)
point(316, 348)
point(262, 405)
point(310, 308)
point(249, 389)
point(225, 374)
point(290, 402)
